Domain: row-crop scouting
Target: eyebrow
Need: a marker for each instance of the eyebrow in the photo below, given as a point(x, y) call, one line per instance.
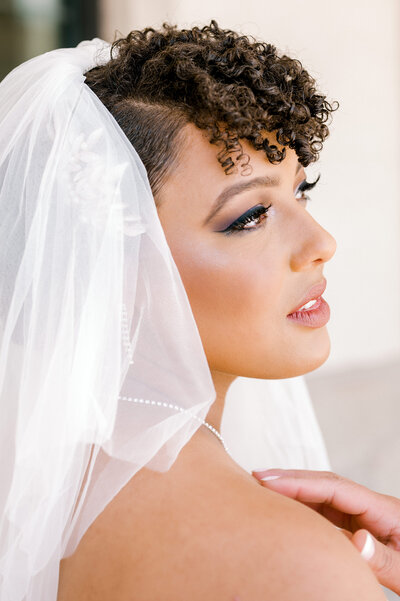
point(231, 191)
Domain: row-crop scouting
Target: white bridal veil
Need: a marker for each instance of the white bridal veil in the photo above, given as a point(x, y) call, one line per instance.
point(85, 269)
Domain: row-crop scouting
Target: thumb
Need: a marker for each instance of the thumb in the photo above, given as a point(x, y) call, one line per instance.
point(383, 560)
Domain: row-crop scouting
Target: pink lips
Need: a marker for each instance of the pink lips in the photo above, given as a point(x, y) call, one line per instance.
point(316, 316)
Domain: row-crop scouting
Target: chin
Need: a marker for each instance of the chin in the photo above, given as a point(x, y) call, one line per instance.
point(314, 354)
point(301, 359)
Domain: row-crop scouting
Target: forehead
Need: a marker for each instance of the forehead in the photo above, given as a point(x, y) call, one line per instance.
point(197, 156)
point(199, 174)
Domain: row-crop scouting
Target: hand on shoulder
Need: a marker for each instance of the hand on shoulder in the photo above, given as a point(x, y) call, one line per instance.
point(206, 529)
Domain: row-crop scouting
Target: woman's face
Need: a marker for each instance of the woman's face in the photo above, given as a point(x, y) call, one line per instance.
point(242, 284)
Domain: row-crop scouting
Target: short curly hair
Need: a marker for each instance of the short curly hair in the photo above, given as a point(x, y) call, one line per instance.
point(229, 85)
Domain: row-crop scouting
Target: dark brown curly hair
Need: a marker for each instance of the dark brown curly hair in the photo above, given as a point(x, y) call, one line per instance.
point(229, 85)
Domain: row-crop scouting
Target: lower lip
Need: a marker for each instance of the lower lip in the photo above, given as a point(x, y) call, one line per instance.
point(315, 317)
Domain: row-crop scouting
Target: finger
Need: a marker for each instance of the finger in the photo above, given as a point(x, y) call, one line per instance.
point(318, 487)
point(291, 488)
point(375, 512)
point(383, 560)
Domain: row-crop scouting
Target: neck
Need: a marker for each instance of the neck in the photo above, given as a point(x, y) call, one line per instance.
point(222, 381)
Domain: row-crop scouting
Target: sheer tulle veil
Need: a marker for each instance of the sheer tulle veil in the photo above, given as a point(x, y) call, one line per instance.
point(84, 269)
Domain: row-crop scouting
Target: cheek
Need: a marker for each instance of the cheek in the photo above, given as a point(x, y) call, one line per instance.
point(233, 297)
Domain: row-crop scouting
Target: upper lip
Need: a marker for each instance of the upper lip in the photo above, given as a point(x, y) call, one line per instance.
point(313, 293)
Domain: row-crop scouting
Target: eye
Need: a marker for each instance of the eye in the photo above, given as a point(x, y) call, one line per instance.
point(251, 220)
point(305, 186)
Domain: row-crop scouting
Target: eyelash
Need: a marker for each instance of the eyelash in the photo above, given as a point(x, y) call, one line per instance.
point(250, 215)
point(305, 186)
point(261, 211)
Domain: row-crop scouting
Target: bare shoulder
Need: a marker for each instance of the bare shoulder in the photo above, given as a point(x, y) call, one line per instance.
point(208, 530)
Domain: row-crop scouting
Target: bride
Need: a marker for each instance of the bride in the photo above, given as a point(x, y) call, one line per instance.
point(129, 498)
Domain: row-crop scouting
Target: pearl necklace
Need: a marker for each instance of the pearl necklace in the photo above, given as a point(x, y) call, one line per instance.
point(158, 403)
point(177, 408)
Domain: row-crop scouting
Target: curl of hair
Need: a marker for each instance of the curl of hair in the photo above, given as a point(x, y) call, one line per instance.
point(229, 85)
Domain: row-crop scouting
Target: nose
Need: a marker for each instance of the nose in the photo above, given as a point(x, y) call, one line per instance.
point(313, 245)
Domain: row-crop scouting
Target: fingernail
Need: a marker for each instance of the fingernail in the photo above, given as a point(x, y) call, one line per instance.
point(369, 547)
point(267, 469)
point(270, 478)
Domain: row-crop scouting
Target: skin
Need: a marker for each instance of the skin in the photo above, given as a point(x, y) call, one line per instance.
point(207, 529)
point(242, 286)
point(354, 508)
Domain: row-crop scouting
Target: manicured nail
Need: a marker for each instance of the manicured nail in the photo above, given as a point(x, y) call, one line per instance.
point(270, 478)
point(369, 547)
point(268, 469)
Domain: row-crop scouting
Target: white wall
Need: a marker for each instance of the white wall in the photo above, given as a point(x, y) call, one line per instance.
point(353, 50)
